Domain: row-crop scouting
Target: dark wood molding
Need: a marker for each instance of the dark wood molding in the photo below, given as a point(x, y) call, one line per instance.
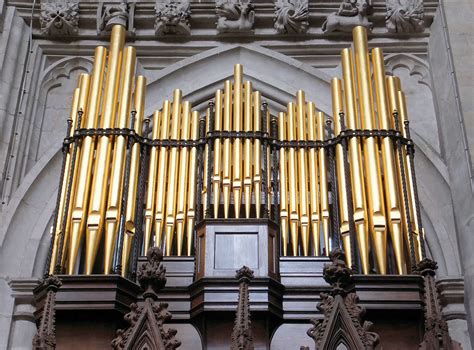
point(241, 338)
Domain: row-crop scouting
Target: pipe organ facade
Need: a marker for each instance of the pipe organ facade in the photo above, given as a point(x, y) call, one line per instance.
point(210, 174)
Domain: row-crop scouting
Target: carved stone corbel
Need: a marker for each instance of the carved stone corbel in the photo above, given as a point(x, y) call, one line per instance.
point(405, 16)
point(172, 17)
point(436, 328)
point(145, 330)
point(291, 16)
point(59, 17)
point(351, 13)
point(235, 15)
point(110, 14)
point(45, 338)
point(342, 324)
point(242, 332)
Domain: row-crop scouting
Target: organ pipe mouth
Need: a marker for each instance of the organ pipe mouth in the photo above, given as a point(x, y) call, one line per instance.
point(342, 180)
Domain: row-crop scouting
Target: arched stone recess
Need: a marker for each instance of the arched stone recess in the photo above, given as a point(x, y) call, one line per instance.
point(24, 234)
point(51, 107)
point(416, 84)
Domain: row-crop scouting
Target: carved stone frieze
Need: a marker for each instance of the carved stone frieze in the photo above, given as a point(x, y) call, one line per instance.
point(235, 15)
point(145, 330)
point(405, 16)
point(172, 17)
point(291, 16)
point(59, 17)
point(45, 338)
point(242, 332)
point(351, 13)
point(110, 14)
point(342, 324)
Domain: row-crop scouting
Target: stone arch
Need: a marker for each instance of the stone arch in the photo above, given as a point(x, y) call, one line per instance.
point(27, 216)
point(414, 64)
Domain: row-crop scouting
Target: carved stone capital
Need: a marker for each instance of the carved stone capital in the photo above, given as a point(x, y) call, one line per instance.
point(110, 14)
point(291, 16)
point(59, 17)
point(235, 15)
point(172, 17)
point(351, 13)
point(405, 16)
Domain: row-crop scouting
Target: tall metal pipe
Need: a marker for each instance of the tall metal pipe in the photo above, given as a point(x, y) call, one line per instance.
point(227, 156)
point(237, 149)
point(293, 178)
point(247, 156)
point(283, 184)
point(375, 196)
point(257, 151)
point(323, 180)
point(191, 215)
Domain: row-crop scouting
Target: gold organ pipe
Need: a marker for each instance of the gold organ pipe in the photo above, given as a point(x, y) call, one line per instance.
point(302, 172)
point(323, 180)
point(192, 184)
point(313, 180)
point(182, 180)
point(79, 197)
point(160, 179)
point(337, 107)
point(283, 183)
point(204, 182)
point(57, 231)
point(172, 175)
point(293, 173)
point(393, 85)
point(417, 235)
point(112, 215)
point(248, 148)
point(216, 179)
point(139, 104)
point(392, 199)
point(95, 219)
point(151, 187)
point(355, 157)
point(227, 156)
point(371, 149)
point(237, 149)
point(257, 167)
point(269, 172)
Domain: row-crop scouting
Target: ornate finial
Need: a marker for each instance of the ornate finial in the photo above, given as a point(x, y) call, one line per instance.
point(145, 330)
point(59, 17)
point(151, 275)
point(45, 338)
point(337, 274)
point(242, 332)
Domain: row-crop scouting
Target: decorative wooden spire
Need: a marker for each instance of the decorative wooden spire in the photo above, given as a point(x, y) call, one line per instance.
point(146, 322)
point(242, 332)
point(342, 324)
point(436, 328)
point(45, 338)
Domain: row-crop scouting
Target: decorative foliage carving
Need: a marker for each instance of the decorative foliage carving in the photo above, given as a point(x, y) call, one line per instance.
point(172, 17)
point(45, 338)
point(405, 16)
point(436, 328)
point(59, 17)
point(291, 16)
point(351, 13)
point(110, 14)
point(342, 322)
point(242, 332)
point(145, 330)
point(235, 15)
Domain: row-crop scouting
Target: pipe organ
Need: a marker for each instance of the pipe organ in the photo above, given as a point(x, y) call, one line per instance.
point(130, 182)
